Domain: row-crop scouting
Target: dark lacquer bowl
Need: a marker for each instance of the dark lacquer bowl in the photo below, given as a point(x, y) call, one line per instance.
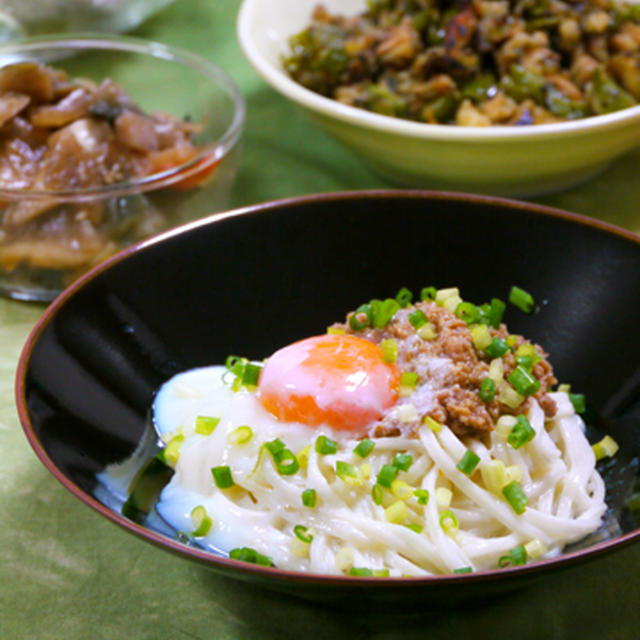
point(253, 280)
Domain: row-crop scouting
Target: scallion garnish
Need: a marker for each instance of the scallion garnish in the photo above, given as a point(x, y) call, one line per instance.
point(387, 475)
point(302, 533)
point(606, 448)
point(521, 433)
point(417, 318)
point(448, 521)
point(377, 494)
point(495, 312)
point(397, 513)
point(361, 318)
point(515, 496)
point(517, 556)
point(404, 297)
point(402, 461)
point(415, 527)
point(364, 572)
point(522, 299)
point(487, 390)
point(364, 447)
point(251, 374)
point(389, 350)
point(325, 446)
point(222, 477)
point(468, 462)
point(348, 473)
point(468, 312)
point(206, 424)
point(383, 311)
point(284, 460)
point(432, 424)
point(422, 495)
point(247, 554)
point(202, 523)
point(523, 381)
point(463, 570)
point(241, 435)
point(428, 293)
point(578, 401)
point(497, 348)
point(309, 498)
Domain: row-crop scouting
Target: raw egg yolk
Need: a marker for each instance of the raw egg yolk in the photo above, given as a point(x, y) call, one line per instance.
point(334, 379)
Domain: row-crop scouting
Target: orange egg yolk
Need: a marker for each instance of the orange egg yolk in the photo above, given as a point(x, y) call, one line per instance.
point(334, 379)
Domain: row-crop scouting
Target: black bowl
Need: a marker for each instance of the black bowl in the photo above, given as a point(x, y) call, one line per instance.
point(253, 280)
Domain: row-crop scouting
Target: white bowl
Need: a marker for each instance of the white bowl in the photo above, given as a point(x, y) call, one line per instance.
point(504, 160)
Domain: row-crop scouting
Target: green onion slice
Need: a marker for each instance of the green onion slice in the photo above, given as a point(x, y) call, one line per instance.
point(302, 533)
point(463, 570)
point(521, 433)
point(241, 435)
point(428, 293)
point(578, 401)
point(422, 495)
point(364, 447)
point(404, 297)
point(468, 462)
point(487, 390)
point(448, 521)
point(309, 498)
point(247, 554)
point(523, 381)
point(497, 348)
point(377, 494)
point(364, 572)
point(201, 521)
point(325, 446)
point(522, 299)
point(517, 556)
point(515, 496)
point(206, 424)
point(222, 477)
point(468, 312)
point(402, 461)
point(387, 475)
point(417, 318)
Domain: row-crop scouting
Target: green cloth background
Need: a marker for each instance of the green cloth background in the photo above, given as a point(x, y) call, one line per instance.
point(68, 574)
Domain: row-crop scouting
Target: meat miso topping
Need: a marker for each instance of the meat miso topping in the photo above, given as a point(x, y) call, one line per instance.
point(475, 62)
point(461, 366)
point(59, 134)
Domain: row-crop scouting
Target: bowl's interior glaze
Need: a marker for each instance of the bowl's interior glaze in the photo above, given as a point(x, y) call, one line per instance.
point(252, 282)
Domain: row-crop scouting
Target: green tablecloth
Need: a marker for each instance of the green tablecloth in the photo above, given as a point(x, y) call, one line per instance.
point(66, 573)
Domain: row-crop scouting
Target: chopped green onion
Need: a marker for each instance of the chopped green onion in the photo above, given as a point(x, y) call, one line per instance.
point(522, 299)
point(517, 556)
point(427, 332)
point(487, 390)
point(348, 473)
point(222, 477)
point(415, 527)
point(309, 498)
point(606, 448)
point(387, 475)
point(468, 462)
point(206, 424)
point(364, 447)
point(448, 521)
point(397, 513)
point(495, 312)
point(361, 318)
point(428, 293)
point(241, 435)
point(521, 433)
point(526, 362)
point(497, 348)
point(326, 446)
point(285, 461)
point(389, 350)
point(377, 494)
point(417, 318)
point(171, 452)
point(235, 364)
point(401, 489)
point(515, 496)
point(480, 336)
point(409, 379)
point(368, 573)
point(251, 374)
point(463, 570)
point(422, 495)
point(247, 554)
point(523, 381)
point(444, 294)
point(510, 397)
point(301, 532)
point(335, 331)
point(494, 475)
point(402, 461)
point(432, 424)
point(578, 402)
point(496, 370)
point(383, 311)
point(201, 521)
point(535, 549)
point(444, 496)
point(404, 297)
point(468, 312)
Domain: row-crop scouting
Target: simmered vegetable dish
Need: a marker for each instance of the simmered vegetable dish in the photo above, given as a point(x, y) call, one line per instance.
point(61, 136)
point(475, 62)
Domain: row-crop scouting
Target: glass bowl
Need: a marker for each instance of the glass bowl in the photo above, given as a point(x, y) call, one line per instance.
point(77, 228)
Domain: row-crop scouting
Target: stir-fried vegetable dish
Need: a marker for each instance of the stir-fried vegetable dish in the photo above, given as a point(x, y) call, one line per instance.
point(475, 62)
